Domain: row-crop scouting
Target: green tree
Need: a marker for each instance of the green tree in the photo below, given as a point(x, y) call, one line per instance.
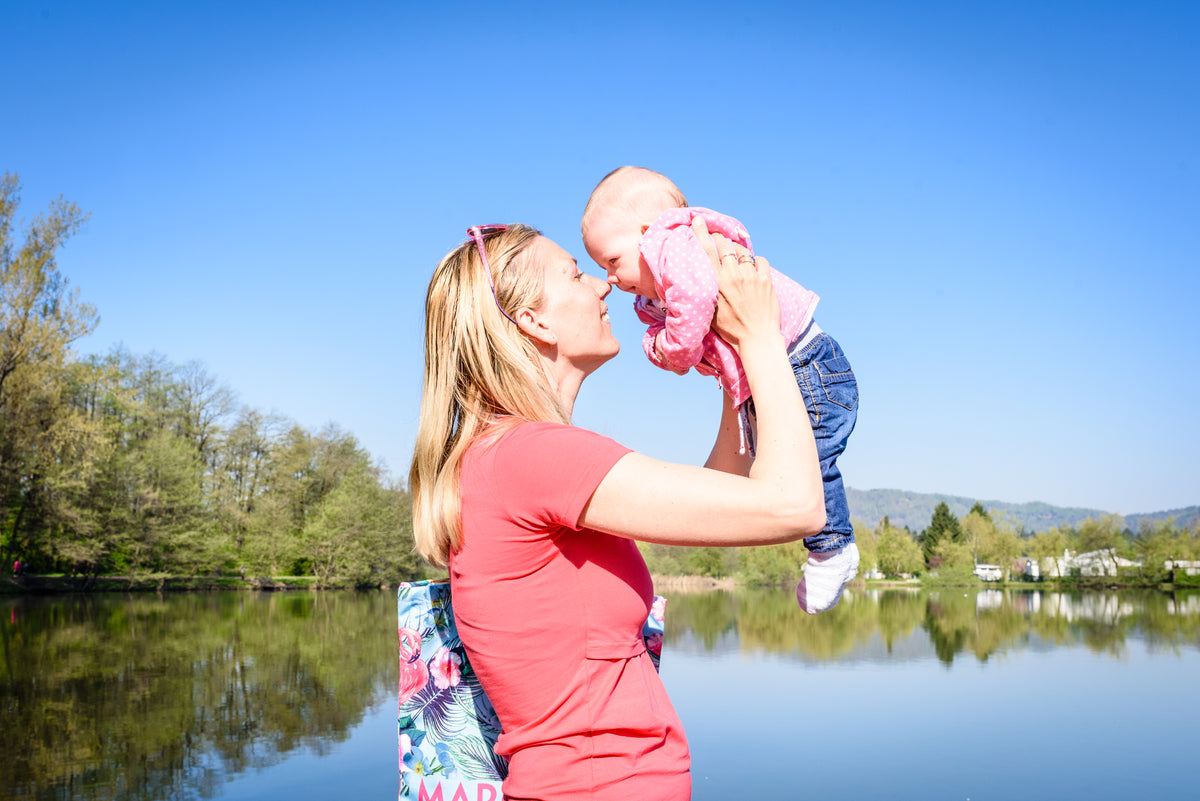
point(349, 535)
point(954, 555)
point(1105, 535)
point(897, 551)
point(977, 509)
point(942, 526)
point(999, 545)
point(772, 564)
point(40, 316)
point(1160, 545)
point(664, 560)
point(867, 539)
point(205, 407)
point(976, 528)
point(713, 562)
point(253, 481)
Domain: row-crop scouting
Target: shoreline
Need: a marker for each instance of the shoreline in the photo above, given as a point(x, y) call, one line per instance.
point(683, 585)
point(64, 585)
point(691, 584)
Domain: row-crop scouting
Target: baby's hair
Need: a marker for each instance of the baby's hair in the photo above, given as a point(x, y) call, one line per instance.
point(636, 190)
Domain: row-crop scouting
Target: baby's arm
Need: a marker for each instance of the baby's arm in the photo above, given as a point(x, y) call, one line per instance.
point(688, 287)
point(653, 316)
point(653, 345)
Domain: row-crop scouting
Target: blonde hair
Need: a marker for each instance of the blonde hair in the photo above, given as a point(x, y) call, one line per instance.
point(479, 368)
point(634, 190)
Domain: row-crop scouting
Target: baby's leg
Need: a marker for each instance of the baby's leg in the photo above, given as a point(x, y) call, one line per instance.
point(831, 394)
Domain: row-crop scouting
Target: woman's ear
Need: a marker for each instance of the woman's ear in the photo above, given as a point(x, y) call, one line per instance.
point(530, 322)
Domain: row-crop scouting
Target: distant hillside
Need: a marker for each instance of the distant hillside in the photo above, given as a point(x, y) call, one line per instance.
point(913, 509)
point(1187, 517)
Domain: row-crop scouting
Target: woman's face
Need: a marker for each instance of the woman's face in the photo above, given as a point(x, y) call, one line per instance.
point(573, 308)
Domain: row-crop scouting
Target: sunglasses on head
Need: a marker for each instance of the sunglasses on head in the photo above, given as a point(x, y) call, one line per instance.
point(478, 232)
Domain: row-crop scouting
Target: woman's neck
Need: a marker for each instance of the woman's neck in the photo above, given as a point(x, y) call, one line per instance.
point(566, 380)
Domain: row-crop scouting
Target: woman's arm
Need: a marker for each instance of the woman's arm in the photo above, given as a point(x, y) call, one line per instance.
point(727, 453)
point(780, 500)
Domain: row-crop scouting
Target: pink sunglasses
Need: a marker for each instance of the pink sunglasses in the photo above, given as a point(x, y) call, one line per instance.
point(478, 232)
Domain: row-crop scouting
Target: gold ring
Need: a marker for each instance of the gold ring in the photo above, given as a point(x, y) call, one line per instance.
point(746, 258)
point(726, 255)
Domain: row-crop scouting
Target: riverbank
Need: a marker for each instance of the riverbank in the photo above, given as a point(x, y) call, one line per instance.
point(690, 584)
point(54, 585)
point(60, 584)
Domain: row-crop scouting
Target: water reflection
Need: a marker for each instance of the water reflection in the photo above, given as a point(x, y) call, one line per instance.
point(152, 698)
point(903, 624)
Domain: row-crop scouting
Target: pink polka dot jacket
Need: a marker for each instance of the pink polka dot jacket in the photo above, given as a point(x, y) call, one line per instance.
point(687, 287)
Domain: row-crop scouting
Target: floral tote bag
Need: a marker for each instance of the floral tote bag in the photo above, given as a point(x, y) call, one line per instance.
point(447, 725)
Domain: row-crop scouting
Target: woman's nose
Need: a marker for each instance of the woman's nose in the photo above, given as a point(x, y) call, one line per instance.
point(603, 286)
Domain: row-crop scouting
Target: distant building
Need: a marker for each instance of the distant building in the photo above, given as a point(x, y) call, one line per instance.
point(988, 572)
point(1028, 567)
point(1103, 562)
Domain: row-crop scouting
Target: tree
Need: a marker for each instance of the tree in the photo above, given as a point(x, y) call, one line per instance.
point(205, 404)
point(975, 529)
point(248, 491)
point(897, 552)
point(349, 537)
point(955, 555)
point(942, 526)
point(40, 316)
point(1161, 545)
point(714, 562)
point(977, 509)
point(1049, 546)
point(999, 545)
point(772, 564)
point(1104, 535)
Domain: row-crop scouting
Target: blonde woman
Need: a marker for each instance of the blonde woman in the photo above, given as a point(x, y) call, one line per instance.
point(536, 519)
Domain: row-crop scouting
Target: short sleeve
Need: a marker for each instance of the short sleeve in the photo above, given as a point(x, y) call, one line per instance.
point(547, 472)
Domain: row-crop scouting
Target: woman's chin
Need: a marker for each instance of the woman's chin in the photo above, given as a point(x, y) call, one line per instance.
point(607, 355)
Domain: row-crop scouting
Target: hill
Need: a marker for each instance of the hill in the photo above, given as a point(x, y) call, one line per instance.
point(1187, 517)
point(913, 509)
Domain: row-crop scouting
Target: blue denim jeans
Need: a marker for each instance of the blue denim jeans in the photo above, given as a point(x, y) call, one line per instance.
point(831, 394)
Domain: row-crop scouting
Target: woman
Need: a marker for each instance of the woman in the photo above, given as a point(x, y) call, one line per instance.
point(536, 519)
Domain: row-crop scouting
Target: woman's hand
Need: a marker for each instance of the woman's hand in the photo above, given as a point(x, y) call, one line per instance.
point(746, 304)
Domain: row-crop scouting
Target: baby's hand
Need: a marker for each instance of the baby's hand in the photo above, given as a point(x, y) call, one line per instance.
point(658, 352)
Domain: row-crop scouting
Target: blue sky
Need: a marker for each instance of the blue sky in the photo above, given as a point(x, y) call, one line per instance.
point(998, 204)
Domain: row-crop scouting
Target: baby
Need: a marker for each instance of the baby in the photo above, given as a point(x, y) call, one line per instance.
point(637, 226)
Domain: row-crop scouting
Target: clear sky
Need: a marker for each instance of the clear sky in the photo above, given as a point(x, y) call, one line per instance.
point(998, 203)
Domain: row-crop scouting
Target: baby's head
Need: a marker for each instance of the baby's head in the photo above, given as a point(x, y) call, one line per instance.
point(620, 209)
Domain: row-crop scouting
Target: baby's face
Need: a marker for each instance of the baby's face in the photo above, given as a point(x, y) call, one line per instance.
point(612, 242)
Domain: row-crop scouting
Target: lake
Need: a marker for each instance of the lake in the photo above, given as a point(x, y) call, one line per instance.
point(894, 694)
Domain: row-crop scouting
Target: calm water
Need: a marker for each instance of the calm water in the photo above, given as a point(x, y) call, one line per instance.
point(896, 695)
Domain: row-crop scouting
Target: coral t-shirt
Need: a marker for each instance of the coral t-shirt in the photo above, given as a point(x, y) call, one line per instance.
point(551, 615)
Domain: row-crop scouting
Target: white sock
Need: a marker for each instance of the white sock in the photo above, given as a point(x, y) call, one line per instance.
point(825, 576)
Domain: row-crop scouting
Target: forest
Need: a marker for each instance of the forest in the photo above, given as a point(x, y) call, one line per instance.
point(130, 464)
